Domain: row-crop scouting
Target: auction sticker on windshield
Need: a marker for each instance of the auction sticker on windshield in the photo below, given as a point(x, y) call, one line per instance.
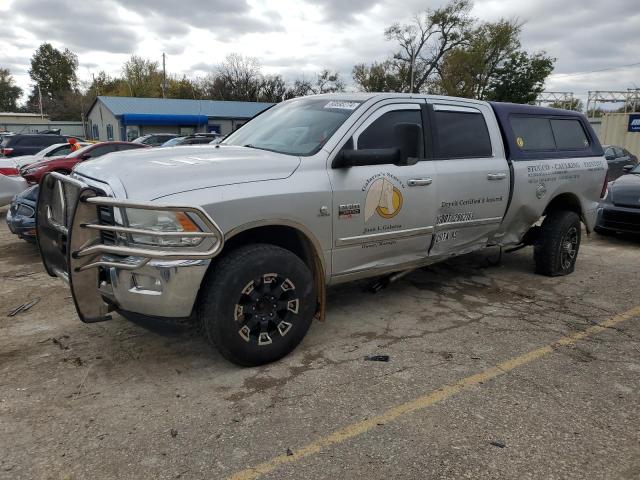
point(342, 105)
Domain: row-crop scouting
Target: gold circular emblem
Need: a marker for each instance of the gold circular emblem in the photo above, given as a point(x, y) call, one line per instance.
point(520, 142)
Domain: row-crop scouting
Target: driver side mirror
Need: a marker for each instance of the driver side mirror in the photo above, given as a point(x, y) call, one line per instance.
point(627, 168)
point(408, 137)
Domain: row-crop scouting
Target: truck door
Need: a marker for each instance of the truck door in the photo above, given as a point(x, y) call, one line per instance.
point(473, 176)
point(383, 214)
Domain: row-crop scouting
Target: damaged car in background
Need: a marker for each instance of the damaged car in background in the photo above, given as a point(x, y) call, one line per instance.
point(244, 237)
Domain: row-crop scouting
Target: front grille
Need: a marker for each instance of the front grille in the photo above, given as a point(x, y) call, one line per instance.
point(106, 217)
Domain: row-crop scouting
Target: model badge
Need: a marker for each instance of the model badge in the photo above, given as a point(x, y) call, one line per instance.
point(541, 190)
point(348, 210)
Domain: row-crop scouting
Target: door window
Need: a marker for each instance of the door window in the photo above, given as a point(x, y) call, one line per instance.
point(461, 134)
point(382, 132)
point(619, 152)
point(102, 150)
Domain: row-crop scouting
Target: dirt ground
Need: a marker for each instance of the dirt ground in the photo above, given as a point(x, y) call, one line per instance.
point(471, 389)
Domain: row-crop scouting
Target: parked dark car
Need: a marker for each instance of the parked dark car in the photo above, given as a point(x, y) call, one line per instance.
point(28, 143)
point(34, 172)
point(21, 216)
point(155, 139)
point(617, 158)
point(619, 210)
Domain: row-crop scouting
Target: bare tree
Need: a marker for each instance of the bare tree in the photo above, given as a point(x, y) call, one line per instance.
point(424, 42)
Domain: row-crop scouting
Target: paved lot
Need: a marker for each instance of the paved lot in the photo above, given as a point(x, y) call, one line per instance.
point(476, 385)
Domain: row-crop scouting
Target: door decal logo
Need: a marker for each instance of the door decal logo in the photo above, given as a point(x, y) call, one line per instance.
point(383, 198)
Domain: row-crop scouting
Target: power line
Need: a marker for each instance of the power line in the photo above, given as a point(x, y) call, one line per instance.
point(595, 71)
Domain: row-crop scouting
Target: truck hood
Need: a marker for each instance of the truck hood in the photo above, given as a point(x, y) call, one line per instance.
point(625, 190)
point(148, 174)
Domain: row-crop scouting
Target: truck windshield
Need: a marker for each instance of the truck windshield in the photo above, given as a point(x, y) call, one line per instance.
point(297, 127)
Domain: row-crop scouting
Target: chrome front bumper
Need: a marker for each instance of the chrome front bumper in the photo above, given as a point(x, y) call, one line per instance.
point(104, 277)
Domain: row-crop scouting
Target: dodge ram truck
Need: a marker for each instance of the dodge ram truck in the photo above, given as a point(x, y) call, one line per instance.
point(244, 236)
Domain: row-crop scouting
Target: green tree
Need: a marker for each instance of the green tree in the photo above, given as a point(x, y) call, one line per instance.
point(182, 88)
point(520, 79)
point(574, 104)
point(273, 89)
point(54, 70)
point(377, 77)
point(467, 70)
point(142, 77)
point(9, 92)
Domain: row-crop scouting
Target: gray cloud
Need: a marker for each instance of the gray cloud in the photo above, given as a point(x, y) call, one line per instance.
point(60, 21)
point(343, 11)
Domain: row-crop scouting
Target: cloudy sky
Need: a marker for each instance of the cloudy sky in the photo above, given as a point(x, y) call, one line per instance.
point(299, 37)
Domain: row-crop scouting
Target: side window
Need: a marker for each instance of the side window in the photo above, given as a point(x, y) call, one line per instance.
point(95, 131)
point(109, 131)
point(127, 147)
point(62, 150)
point(533, 133)
point(102, 150)
point(619, 152)
point(569, 134)
point(461, 134)
point(382, 132)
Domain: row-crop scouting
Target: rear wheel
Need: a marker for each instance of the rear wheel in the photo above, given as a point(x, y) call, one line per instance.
point(556, 249)
point(257, 304)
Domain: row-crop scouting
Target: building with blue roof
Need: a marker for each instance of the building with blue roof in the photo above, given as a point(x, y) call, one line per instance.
point(125, 118)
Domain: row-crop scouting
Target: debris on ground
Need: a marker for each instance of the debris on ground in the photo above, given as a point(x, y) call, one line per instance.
point(24, 307)
point(174, 432)
point(497, 443)
point(289, 452)
point(60, 342)
point(377, 358)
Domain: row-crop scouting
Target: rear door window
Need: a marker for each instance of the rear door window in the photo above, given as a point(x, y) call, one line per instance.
point(569, 134)
point(461, 134)
point(533, 133)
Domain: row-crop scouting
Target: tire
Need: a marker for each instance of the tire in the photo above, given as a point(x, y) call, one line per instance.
point(257, 304)
point(556, 250)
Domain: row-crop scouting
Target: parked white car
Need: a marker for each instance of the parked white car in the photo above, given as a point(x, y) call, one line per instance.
point(55, 150)
point(11, 182)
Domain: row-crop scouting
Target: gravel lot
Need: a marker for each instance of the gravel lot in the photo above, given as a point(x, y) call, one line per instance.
point(117, 400)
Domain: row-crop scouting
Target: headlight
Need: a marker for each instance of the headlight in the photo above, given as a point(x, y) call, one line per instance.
point(167, 222)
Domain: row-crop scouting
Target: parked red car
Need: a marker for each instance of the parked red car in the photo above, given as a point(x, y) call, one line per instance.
point(34, 172)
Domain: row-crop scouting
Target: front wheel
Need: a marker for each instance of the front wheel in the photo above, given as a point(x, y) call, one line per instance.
point(556, 250)
point(257, 304)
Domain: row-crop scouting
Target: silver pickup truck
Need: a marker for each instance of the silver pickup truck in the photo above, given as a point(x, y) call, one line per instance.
point(245, 235)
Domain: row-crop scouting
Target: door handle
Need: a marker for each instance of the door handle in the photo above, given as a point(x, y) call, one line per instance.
point(496, 176)
point(419, 182)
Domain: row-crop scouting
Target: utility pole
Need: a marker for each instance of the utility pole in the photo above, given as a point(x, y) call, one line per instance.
point(413, 63)
point(40, 101)
point(164, 77)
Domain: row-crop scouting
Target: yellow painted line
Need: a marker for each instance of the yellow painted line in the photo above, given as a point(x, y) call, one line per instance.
point(427, 400)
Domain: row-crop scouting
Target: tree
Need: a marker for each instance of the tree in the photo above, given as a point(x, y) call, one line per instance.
point(466, 71)
point(424, 43)
point(574, 104)
point(326, 82)
point(521, 78)
point(377, 77)
point(142, 77)
point(9, 92)
point(236, 78)
point(53, 70)
point(273, 89)
point(183, 88)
